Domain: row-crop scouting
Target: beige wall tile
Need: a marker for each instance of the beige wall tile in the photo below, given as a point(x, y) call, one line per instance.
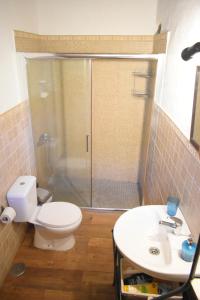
point(16, 158)
point(117, 120)
point(173, 169)
point(141, 44)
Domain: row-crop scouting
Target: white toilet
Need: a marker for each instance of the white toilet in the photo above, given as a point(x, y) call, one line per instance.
point(54, 222)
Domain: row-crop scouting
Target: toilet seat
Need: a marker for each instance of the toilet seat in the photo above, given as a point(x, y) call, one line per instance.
point(58, 214)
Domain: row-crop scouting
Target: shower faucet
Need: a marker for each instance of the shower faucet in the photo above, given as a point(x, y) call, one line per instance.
point(43, 139)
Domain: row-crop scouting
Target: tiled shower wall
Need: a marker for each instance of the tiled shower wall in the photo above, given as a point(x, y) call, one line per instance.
point(173, 169)
point(16, 158)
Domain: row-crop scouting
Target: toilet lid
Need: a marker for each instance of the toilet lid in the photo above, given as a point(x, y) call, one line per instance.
point(59, 214)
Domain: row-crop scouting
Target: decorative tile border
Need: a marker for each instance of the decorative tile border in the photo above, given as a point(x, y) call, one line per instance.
point(120, 44)
point(160, 43)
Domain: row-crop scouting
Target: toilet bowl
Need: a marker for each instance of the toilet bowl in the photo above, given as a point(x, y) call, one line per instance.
point(54, 225)
point(54, 222)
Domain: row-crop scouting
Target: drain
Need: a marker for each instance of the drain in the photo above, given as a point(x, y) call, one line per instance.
point(18, 269)
point(154, 251)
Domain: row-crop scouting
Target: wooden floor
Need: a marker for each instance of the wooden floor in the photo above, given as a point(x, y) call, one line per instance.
point(84, 272)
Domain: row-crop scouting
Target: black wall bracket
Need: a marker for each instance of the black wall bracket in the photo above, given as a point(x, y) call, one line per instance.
point(187, 53)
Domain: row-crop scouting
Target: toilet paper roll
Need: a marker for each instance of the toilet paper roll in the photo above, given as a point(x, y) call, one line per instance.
point(8, 215)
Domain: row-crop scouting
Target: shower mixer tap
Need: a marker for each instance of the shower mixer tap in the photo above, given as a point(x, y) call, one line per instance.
point(43, 139)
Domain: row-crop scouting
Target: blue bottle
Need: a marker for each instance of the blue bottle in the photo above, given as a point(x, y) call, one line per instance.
point(188, 250)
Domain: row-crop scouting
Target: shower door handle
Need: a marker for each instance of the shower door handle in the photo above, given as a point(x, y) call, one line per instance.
point(87, 143)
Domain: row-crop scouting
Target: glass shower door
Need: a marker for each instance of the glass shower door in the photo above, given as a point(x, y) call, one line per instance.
point(60, 102)
point(77, 122)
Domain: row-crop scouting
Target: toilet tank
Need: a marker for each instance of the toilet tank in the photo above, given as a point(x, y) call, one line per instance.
point(22, 196)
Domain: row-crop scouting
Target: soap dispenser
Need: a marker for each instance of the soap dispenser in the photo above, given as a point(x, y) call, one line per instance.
point(188, 250)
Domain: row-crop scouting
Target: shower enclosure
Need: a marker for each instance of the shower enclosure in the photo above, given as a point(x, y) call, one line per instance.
point(90, 120)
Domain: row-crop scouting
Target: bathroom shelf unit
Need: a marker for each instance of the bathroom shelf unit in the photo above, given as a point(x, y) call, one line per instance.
point(145, 296)
point(143, 75)
point(140, 94)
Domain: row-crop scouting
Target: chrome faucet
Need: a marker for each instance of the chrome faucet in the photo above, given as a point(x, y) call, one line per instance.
point(176, 225)
point(44, 138)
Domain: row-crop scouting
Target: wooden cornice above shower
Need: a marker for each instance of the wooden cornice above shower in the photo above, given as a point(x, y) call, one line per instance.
point(121, 44)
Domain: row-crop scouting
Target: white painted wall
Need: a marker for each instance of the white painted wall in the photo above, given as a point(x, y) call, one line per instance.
point(63, 17)
point(14, 14)
point(182, 19)
point(98, 17)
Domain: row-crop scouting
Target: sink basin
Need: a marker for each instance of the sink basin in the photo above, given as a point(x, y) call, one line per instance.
point(151, 247)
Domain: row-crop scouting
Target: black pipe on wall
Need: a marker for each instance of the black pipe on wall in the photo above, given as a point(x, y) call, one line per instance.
point(187, 53)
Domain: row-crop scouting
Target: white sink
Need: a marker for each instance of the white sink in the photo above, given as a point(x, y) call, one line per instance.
point(137, 233)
